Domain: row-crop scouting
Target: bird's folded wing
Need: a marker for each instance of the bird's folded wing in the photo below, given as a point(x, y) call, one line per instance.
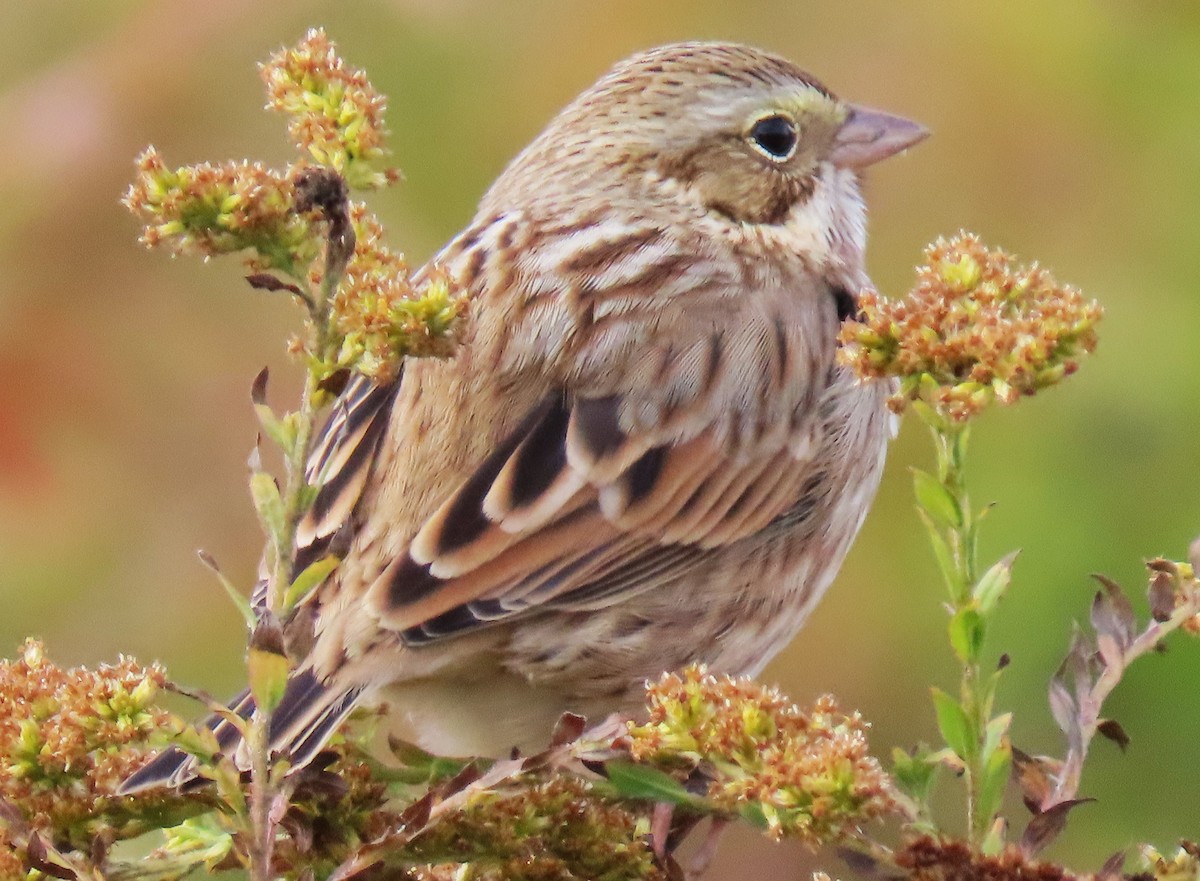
point(340, 462)
point(570, 512)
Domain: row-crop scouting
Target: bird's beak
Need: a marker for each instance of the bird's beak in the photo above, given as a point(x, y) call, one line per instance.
point(868, 136)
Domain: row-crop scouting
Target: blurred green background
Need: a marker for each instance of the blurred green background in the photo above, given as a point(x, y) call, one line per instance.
point(1067, 132)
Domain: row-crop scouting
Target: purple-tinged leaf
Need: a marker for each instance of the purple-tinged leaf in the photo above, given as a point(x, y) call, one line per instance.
point(1161, 594)
point(1047, 826)
point(1111, 870)
point(414, 817)
point(264, 281)
point(1112, 614)
point(567, 729)
point(1112, 729)
point(1035, 776)
point(1110, 653)
point(862, 863)
point(47, 860)
point(258, 388)
point(335, 383)
point(1062, 706)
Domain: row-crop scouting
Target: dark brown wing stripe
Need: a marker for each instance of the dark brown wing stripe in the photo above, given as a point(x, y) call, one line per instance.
point(595, 426)
point(409, 581)
point(362, 455)
point(463, 520)
point(360, 401)
point(539, 459)
point(644, 473)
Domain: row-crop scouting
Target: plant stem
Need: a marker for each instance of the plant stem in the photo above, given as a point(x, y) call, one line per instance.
point(262, 830)
point(1092, 703)
point(320, 350)
point(950, 443)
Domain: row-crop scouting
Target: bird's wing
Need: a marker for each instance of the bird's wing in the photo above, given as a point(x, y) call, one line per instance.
point(571, 512)
point(685, 418)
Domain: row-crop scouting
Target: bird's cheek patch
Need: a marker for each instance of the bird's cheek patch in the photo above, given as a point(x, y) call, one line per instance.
point(743, 187)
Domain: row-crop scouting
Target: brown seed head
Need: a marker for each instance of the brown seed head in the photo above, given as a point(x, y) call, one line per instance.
point(975, 328)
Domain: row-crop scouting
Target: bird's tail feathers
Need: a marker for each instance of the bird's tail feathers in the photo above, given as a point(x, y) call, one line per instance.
point(306, 717)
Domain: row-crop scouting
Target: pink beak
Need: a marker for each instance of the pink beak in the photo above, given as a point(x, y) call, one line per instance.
point(869, 136)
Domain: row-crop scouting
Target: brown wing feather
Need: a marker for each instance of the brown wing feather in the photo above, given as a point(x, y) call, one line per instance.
point(341, 460)
point(549, 520)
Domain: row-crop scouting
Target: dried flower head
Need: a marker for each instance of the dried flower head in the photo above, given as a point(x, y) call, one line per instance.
point(382, 314)
point(209, 209)
point(557, 828)
point(337, 805)
point(975, 328)
point(336, 115)
point(807, 775)
point(932, 859)
point(69, 737)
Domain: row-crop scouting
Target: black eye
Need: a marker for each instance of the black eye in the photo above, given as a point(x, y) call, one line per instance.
point(775, 136)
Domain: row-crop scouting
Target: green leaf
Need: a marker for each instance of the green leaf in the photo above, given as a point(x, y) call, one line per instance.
point(645, 782)
point(994, 583)
point(268, 675)
point(966, 634)
point(269, 505)
point(239, 600)
point(312, 576)
point(929, 415)
point(997, 767)
point(955, 727)
point(993, 734)
point(936, 500)
point(198, 741)
point(944, 557)
point(267, 667)
point(993, 843)
point(958, 446)
point(752, 812)
point(914, 773)
point(281, 431)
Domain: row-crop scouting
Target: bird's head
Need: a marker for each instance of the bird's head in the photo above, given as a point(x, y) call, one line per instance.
point(731, 129)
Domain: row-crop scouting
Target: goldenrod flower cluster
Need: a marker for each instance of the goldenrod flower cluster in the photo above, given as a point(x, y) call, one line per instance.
point(803, 774)
point(377, 313)
point(336, 115)
point(209, 209)
point(69, 737)
point(976, 328)
point(383, 314)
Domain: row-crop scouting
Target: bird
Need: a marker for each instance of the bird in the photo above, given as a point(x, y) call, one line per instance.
point(642, 453)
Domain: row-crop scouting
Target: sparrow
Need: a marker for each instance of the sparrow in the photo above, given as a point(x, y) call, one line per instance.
point(642, 453)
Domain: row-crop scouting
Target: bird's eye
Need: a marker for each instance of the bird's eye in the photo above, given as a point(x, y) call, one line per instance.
point(775, 136)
